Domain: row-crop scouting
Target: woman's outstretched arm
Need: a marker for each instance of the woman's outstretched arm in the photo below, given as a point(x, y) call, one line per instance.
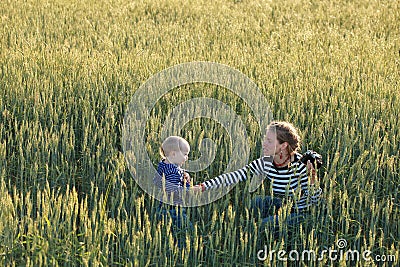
point(256, 167)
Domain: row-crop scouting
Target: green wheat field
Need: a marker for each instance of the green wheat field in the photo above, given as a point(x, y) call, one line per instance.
point(68, 70)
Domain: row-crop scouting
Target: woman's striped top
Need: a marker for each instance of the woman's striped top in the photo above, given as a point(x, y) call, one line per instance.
point(290, 182)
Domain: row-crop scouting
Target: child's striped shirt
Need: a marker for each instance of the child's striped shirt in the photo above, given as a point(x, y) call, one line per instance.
point(173, 183)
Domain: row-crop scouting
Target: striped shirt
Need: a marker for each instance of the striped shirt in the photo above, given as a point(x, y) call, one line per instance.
point(290, 182)
point(174, 182)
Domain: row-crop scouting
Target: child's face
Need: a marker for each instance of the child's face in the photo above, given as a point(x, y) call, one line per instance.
point(181, 156)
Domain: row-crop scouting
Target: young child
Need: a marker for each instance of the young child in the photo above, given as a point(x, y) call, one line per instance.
point(174, 180)
point(174, 152)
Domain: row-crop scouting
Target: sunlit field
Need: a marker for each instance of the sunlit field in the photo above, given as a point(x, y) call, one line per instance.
point(68, 70)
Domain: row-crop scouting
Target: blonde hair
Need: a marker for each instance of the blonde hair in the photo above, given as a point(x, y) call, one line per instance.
point(286, 132)
point(172, 143)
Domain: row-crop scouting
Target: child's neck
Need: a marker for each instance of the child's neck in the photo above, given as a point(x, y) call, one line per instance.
point(168, 162)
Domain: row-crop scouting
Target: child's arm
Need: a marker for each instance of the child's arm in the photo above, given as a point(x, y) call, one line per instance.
point(187, 180)
point(255, 167)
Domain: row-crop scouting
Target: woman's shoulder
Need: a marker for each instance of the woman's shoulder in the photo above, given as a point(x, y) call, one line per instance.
point(296, 158)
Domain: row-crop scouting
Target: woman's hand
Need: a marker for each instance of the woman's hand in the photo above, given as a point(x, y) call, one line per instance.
point(312, 173)
point(196, 188)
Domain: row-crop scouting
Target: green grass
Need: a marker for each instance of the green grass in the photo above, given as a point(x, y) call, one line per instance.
point(69, 68)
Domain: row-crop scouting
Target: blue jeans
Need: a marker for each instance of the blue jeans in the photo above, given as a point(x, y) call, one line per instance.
point(181, 225)
point(267, 208)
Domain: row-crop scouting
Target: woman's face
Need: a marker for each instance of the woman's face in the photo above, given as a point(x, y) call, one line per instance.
point(271, 145)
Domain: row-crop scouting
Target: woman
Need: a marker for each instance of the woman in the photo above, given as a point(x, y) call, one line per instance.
point(291, 180)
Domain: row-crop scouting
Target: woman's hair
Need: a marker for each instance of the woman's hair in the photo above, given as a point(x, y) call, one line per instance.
point(172, 143)
point(286, 132)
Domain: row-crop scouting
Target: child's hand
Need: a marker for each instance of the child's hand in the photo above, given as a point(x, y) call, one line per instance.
point(186, 178)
